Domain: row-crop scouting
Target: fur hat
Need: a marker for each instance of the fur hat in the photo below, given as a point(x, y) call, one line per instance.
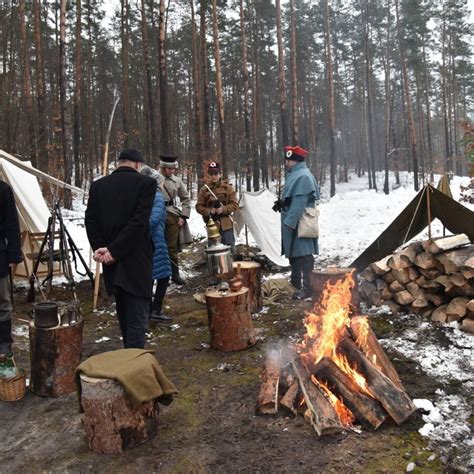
point(214, 167)
point(147, 171)
point(168, 161)
point(131, 154)
point(295, 153)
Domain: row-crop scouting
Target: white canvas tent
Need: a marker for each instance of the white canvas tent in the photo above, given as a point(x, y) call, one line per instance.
point(33, 211)
point(263, 223)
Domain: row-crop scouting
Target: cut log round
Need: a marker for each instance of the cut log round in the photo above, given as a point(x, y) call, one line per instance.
point(331, 275)
point(380, 267)
point(426, 283)
point(426, 261)
point(430, 274)
point(388, 278)
point(453, 260)
point(251, 279)
point(267, 402)
point(396, 287)
point(406, 257)
point(111, 421)
point(55, 353)
point(230, 322)
point(395, 401)
point(457, 279)
point(402, 275)
point(367, 410)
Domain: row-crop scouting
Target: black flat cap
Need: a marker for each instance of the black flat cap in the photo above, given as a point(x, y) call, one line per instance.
point(168, 158)
point(131, 155)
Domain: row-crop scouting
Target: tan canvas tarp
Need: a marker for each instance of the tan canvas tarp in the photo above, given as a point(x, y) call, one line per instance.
point(457, 218)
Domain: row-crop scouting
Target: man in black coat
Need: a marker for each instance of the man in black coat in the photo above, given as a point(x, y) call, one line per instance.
point(10, 256)
point(117, 224)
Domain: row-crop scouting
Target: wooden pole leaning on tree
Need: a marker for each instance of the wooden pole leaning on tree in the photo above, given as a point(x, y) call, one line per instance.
point(105, 172)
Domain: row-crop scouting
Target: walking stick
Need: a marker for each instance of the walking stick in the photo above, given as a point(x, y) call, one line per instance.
point(105, 166)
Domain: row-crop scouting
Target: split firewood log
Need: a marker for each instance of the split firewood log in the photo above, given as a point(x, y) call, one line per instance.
point(427, 312)
point(420, 301)
point(442, 244)
point(467, 272)
point(430, 274)
point(467, 325)
point(267, 402)
point(402, 275)
point(436, 299)
point(405, 257)
point(413, 273)
point(388, 278)
point(444, 280)
point(289, 400)
point(457, 308)
point(453, 260)
point(457, 279)
point(414, 289)
point(470, 309)
point(424, 282)
point(368, 275)
point(396, 286)
point(439, 314)
point(380, 267)
point(403, 297)
point(395, 308)
point(426, 261)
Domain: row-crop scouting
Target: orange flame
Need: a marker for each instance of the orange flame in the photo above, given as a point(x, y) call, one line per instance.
point(326, 325)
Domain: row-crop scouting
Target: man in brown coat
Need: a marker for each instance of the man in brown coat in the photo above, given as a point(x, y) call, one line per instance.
point(219, 209)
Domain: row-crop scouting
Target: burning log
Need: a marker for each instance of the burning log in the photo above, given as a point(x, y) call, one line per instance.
point(370, 346)
point(395, 401)
point(324, 418)
point(367, 410)
point(267, 403)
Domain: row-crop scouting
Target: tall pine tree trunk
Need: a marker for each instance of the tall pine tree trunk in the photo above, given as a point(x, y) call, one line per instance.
point(387, 112)
point(219, 91)
point(164, 118)
point(246, 114)
point(294, 76)
point(206, 120)
point(40, 89)
point(26, 86)
point(77, 97)
point(125, 39)
point(331, 107)
point(408, 101)
point(281, 78)
point(198, 162)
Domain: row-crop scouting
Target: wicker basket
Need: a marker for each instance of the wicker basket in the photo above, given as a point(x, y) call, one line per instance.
point(13, 389)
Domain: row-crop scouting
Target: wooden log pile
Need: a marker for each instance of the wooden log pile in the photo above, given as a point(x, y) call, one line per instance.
point(329, 398)
point(434, 278)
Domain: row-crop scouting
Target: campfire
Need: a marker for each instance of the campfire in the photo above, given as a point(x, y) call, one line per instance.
point(339, 374)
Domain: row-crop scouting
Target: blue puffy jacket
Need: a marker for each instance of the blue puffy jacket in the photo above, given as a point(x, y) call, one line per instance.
point(161, 260)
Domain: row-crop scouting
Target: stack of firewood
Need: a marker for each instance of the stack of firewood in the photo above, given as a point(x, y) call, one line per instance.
point(434, 278)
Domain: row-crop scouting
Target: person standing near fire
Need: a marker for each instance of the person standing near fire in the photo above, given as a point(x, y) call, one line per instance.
point(176, 215)
point(10, 257)
point(218, 201)
point(118, 229)
point(300, 191)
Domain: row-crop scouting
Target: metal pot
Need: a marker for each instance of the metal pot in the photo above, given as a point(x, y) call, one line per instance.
point(46, 314)
point(219, 260)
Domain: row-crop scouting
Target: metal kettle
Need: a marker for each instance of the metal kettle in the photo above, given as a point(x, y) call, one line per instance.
point(46, 314)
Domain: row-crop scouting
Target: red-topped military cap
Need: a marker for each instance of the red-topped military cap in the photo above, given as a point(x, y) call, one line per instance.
point(295, 153)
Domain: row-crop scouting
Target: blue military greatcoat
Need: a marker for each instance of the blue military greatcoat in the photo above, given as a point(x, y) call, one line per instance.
point(301, 190)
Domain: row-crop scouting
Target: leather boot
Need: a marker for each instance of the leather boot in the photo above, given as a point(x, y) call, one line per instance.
point(295, 278)
point(308, 264)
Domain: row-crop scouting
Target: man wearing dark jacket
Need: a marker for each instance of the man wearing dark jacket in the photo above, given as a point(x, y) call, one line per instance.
point(117, 224)
point(10, 256)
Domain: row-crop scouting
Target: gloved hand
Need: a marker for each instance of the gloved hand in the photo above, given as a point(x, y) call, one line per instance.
point(278, 205)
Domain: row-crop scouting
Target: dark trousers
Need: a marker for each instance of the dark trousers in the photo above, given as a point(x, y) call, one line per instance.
point(172, 240)
point(228, 238)
point(5, 316)
point(301, 268)
point(133, 313)
point(160, 291)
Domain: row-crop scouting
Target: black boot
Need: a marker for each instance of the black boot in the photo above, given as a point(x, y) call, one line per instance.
point(295, 278)
point(308, 264)
point(156, 314)
point(175, 277)
point(6, 337)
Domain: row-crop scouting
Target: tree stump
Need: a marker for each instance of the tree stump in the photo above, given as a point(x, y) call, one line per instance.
point(230, 322)
point(111, 421)
point(319, 278)
point(54, 354)
point(251, 278)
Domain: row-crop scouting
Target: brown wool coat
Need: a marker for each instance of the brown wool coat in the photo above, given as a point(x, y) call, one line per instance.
point(227, 196)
